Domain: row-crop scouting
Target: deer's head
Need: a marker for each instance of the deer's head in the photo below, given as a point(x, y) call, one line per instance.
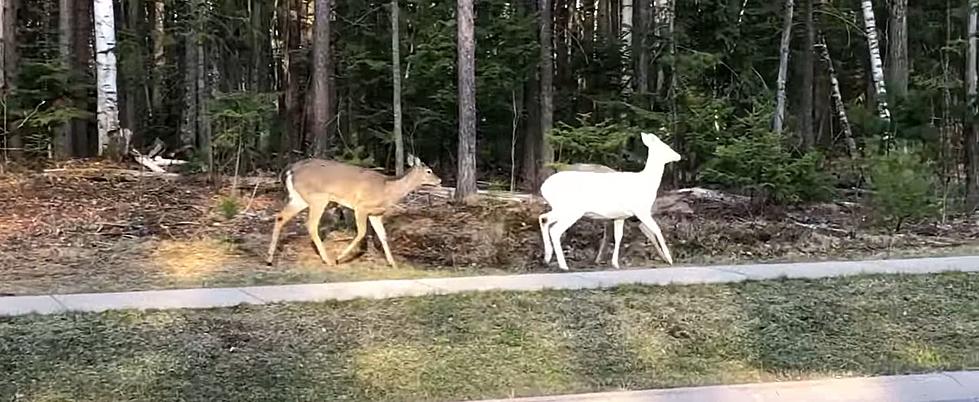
point(420, 173)
point(659, 149)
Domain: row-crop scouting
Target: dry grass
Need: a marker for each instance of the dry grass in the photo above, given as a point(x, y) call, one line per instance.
point(83, 233)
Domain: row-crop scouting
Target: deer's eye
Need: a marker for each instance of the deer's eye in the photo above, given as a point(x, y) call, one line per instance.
point(429, 171)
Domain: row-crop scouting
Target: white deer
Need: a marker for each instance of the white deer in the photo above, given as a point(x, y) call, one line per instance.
point(615, 196)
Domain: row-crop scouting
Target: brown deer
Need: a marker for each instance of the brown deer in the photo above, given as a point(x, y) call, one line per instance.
point(317, 183)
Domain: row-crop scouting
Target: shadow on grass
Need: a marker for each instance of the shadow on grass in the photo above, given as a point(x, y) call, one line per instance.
point(483, 345)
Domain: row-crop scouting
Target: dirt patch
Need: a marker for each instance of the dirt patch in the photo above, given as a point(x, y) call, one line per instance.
point(69, 232)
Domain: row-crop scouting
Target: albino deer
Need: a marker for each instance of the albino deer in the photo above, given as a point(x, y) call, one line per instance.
point(616, 196)
point(596, 168)
point(317, 183)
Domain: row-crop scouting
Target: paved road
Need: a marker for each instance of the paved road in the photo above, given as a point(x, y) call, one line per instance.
point(961, 386)
point(226, 297)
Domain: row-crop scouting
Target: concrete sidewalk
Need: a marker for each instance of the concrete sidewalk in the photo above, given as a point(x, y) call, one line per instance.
point(960, 386)
point(226, 297)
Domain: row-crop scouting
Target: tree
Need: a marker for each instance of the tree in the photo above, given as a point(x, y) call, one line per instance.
point(466, 66)
point(807, 86)
point(972, 130)
point(8, 68)
point(783, 67)
point(112, 140)
point(897, 48)
point(399, 144)
point(61, 146)
point(321, 77)
point(546, 155)
point(837, 95)
point(640, 45)
point(83, 55)
point(290, 109)
point(876, 66)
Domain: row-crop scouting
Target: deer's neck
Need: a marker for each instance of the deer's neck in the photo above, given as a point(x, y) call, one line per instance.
point(395, 190)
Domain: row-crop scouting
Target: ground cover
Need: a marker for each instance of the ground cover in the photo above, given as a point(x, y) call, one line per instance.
point(500, 344)
point(81, 230)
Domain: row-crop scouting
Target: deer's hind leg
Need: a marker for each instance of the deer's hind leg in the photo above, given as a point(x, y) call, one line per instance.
point(313, 226)
point(293, 208)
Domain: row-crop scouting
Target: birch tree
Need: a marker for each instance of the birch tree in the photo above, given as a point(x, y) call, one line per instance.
point(399, 145)
point(783, 67)
point(837, 95)
point(111, 139)
point(876, 65)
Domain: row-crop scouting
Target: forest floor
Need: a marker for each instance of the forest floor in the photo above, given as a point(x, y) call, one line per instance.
point(500, 344)
point(78, 229)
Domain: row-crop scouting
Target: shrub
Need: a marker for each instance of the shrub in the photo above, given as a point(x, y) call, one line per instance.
point(904, 186)
point(758, 164)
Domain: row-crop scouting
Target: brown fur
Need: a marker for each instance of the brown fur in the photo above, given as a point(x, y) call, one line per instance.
point(317, 183)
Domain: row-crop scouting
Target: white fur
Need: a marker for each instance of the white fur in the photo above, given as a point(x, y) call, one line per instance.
point(294, 197)
point(614, 195)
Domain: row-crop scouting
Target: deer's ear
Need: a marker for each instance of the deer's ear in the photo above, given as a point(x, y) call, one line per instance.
point(411, 160)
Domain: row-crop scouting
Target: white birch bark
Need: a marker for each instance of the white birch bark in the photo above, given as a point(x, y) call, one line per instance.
point(626, 20)
point(105, 76)
point(783, 68)
point(876, 65)
point(837, 95)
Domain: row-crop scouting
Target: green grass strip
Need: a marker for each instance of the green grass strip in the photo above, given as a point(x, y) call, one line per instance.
point(500, 344)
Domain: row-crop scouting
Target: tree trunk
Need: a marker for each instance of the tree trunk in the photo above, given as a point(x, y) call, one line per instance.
point(321, 77)
point(562, 50)
point(546, 155)
point(808, 62)
point(159, 58)
point(640, 46)
point(466, 45)
point(603, 25)
point(83, 62)
point(876, 66)
point(204, 87)
point(625, 22)
point(291, 110)
point(12, 143)
point(663, 23)
point(531, 148)
point(61, 146)
point(188, 127)
point(399, 145)
point(897, 48)
point(834, 82)
point(972, 129)
point(112, 141)
point(783, 67)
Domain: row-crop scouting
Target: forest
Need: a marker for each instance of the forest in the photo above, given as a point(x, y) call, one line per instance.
point(808, 130)
point(783, 102)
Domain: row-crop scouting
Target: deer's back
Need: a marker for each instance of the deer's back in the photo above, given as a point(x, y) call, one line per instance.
point(341, 181)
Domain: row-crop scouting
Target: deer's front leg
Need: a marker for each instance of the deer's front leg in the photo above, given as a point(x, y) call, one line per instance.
point(383, 237)
point(361, 218)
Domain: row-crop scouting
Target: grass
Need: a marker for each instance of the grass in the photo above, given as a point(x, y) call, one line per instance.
point(500, 344)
